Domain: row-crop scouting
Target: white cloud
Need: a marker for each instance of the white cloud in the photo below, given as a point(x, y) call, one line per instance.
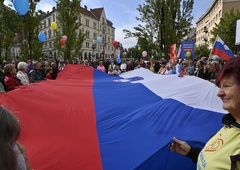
point(7, 3)
point(44, 7)
point(90, 3)
point(119, 36)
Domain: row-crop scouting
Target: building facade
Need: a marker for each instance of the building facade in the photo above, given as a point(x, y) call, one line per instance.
point(206, 23)
point(94, 24)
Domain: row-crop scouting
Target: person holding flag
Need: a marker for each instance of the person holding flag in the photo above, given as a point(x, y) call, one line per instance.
point(222, 150)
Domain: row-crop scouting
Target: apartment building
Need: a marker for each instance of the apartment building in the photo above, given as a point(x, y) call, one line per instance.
point(212, 16)
point(94, 24)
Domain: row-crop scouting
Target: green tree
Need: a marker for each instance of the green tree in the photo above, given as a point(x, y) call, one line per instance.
point(7, 30)
point(30, 46)
point(133, 52)
point(202, 51)
point(28, 30)
point(163, 22)
point(69, 26)
point(226, 29)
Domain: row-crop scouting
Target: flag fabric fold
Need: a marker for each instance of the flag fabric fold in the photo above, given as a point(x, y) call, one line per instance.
point(87, 119)
point(221, 49)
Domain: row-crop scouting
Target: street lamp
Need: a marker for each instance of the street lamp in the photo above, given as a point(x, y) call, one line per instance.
point(163, 51)
point(153, 53)
point(94, 45)
point(99, 41)
point(50, 54)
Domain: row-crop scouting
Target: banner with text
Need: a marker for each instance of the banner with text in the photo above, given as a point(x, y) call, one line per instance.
point(187, 49)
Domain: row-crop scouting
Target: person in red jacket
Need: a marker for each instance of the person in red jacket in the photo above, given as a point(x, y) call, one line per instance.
point(10, 80)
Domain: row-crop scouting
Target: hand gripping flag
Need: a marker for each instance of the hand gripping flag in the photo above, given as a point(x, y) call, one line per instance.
point(221, 49)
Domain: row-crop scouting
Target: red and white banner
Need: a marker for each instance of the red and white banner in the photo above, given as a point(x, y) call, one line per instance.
point(173, 52)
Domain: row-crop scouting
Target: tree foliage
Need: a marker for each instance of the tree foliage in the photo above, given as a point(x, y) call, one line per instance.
point(7, 30)
point(26, 30)
point(226, 29)
point(202, 51)
point(163, 22)
point(68, 17)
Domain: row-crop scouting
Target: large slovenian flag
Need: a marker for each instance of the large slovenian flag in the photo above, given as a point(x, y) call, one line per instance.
point(221, 50)
point(89, 120)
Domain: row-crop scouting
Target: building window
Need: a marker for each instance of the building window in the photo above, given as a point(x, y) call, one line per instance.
point(94, 25)
point(44, 24)
point(87, 34)
point(87, 22)
point(49, 33)
point(50, 44)
point(49, 22)
point(53, 18)
point(94, 35)
point(87, 45)
point(80, 19)
point(104, 38)
point(104, 29)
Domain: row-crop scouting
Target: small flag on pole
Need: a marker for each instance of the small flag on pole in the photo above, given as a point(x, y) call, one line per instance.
point(221, 50)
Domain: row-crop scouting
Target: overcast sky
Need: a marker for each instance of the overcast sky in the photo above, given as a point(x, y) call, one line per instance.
point(123, 13)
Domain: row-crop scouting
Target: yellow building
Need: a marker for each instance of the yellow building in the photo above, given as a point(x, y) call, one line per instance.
point(212, 16)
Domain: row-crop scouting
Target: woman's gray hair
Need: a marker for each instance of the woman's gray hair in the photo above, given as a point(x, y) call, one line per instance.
point(22, 65)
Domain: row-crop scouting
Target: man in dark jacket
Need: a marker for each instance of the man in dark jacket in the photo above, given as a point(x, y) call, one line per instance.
point(107, 64)
point(200, 71)
point(54, 70)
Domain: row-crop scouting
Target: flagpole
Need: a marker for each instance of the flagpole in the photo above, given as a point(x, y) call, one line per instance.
point(213, 44)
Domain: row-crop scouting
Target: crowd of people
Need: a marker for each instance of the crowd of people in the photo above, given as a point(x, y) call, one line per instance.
point(226, 75)
point(16, 73)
